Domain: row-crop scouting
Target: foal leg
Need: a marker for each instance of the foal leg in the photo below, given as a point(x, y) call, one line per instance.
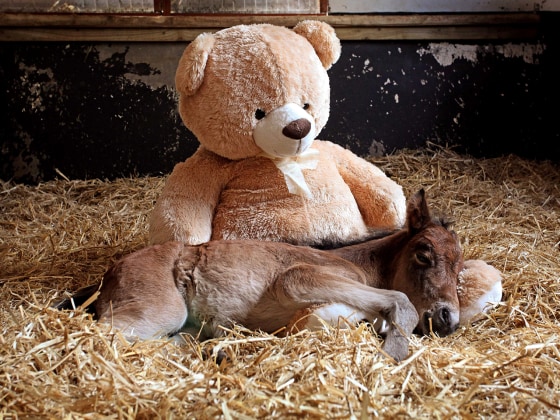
point(317, 317)
point(304, 285)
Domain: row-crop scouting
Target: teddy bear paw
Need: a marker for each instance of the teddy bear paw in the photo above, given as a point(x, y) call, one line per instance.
point(479, 289)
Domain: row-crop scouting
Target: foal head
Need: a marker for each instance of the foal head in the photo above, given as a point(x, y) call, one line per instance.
point(428, 269)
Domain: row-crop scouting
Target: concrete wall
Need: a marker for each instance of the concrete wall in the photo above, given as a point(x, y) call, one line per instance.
point(109, 110)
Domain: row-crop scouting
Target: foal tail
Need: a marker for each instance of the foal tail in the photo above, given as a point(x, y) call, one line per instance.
point(84, 298)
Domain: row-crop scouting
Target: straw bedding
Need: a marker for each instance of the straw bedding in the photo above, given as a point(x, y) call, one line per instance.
point(63, 234)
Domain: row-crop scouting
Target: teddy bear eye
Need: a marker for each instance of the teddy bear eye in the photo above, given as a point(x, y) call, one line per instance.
point(306, 106)
point(260, 114)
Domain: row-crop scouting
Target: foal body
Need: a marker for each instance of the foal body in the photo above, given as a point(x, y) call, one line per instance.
point(262, 285)
point(158, 290)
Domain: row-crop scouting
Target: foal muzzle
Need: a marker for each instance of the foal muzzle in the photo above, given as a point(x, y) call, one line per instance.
point(442, 321)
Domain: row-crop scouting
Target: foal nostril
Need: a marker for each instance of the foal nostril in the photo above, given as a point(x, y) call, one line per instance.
point(442, 322)
point(297, 129)
point(444, 316)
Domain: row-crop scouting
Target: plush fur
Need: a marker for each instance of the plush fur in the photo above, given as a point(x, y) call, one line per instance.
point(256, 97)
point(232, 187)
point(479, 289)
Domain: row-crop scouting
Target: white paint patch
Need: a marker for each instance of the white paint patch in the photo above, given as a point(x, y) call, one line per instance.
point(367, 67)
point(529, 52)
point(164, 59)
point(377, 149)
point(38, 91)
point(446, 54)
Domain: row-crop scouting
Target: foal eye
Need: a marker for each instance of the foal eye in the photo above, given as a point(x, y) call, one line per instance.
point(260, 114)
point(422, 258)
point(306, 106)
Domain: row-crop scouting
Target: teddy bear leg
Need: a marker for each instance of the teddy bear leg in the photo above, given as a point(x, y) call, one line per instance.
point(479, 290)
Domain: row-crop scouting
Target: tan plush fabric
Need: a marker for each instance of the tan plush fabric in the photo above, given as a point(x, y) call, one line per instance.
point(228, 189)
point(248, 198)
point(479, 290)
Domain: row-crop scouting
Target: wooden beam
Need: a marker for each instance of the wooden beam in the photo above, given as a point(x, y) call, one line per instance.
point(215, 20)
point(137, 28)
point(185, 35)
point(432, 33)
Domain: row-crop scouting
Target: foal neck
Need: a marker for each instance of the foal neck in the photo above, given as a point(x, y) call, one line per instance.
point(377, 257)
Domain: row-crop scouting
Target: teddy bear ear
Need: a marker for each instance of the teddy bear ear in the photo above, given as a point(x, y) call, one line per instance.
point(323, 39)
point(190, 71)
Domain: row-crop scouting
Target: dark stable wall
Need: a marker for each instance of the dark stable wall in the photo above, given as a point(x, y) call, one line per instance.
point(109, 110)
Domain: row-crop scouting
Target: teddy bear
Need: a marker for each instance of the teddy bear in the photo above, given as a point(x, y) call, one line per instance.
point(256, 97)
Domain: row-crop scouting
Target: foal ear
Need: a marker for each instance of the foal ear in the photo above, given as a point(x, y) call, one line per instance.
point(417, 212)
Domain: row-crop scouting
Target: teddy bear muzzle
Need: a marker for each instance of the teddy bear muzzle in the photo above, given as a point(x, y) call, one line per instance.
point(285, 132)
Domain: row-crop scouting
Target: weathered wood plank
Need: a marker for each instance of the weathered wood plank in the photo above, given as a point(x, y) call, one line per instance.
point(436, 33)
point(347, 33)
point(136, 28)
point(216, 21)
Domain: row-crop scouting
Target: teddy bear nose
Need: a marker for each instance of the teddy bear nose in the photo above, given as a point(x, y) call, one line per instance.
point(297, 129)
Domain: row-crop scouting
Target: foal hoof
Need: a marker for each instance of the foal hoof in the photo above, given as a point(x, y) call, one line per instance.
point(210, 353)
point(396, 346)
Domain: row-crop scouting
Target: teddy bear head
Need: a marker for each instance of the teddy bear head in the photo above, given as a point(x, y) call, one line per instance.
point(257, 89)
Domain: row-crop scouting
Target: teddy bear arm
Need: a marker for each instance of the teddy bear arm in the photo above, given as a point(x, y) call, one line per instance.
point(380, 199)
point(184, 212)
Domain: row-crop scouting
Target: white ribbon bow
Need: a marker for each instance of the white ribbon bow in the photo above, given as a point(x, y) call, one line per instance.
point(292, 168)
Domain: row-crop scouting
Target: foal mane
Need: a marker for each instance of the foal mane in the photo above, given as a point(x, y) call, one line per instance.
point(372, 234)
point(376, 233)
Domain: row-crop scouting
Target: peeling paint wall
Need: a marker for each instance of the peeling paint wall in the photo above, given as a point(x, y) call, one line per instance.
point(109, 110)
point(446, 54)
point(486, 99)
point(89, 111)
